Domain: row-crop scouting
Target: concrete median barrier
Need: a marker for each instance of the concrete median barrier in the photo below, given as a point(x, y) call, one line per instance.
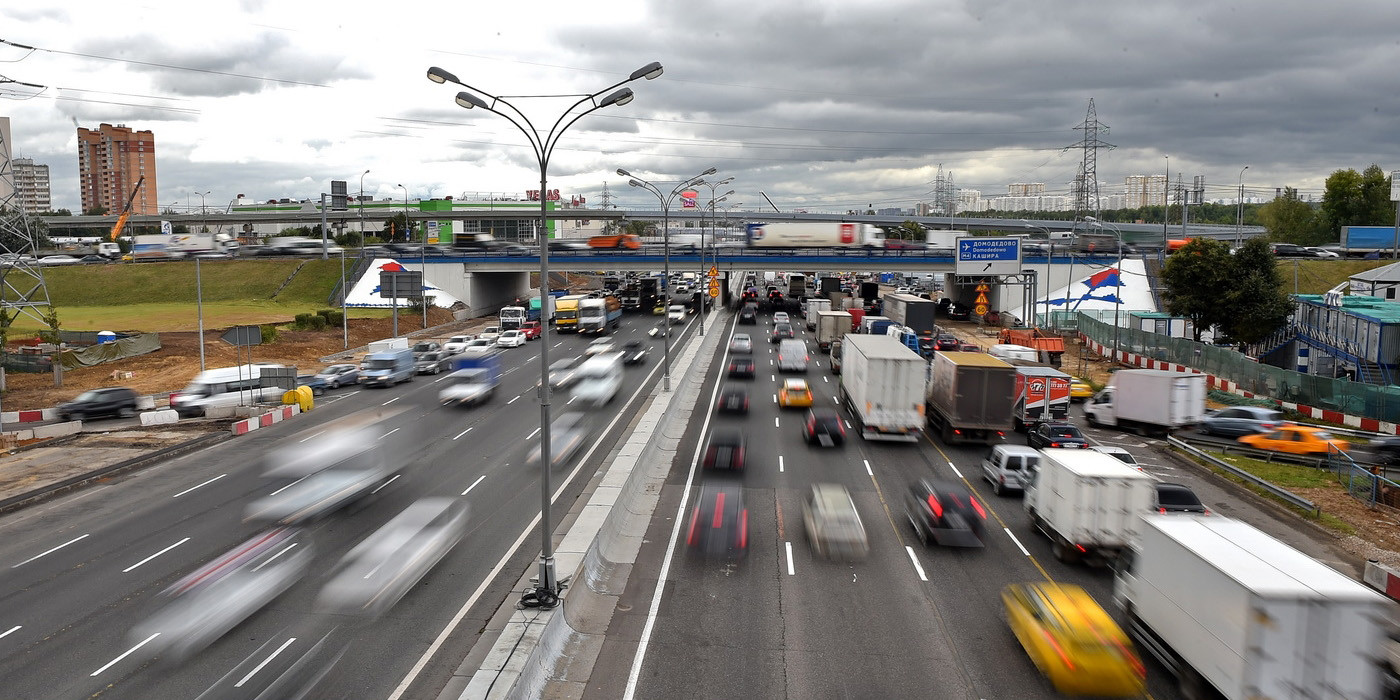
point(164, 417)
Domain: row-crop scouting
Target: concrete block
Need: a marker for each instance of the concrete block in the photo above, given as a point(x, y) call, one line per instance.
point(58, 429)
point(221, 412)
point(164, 417)
point(145, 403)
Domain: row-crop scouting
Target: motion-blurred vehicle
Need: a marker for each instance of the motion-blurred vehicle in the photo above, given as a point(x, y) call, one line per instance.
point(660, 330)
point(725, 450)
point(599, 347)
point(479, 344)
point(794, 393)
point(564, 372)
point(634, 352)
point(946, 513)
point(1055, 434)
point(457, 343)
point(1080, 390)
point(1237, 421)
point(314, 382)
point(425, 347)
point(748, 315)
point(599, 379)
point(741, 368)
point(946, 342)
point(474, 379)
point(1297, 440)
point(781, 317)
point(317, 477)
point(511, 339)
point(719, 522)
point(432, 362)
point(490, 333)
point(1073, 641)
point(566, 433)
point(733, 399)
point(1178, 498)
point(741, 343)
point(1006, 467)
point(1119, 454)
point(832, 524)
point(337, 376)
point(59, 260)
point(675, 313)
point(382, 568)
point(204, 605)
point(659, 309)
point(823, 427)
point(1386, 449)
point(98, 403)
point(781, 331)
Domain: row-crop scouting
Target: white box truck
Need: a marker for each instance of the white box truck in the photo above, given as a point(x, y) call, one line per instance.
point(1088, 503)
point(810, 309)
point(831, 327)
point(1226, 607)
point(1149, 401)
point(882, 384)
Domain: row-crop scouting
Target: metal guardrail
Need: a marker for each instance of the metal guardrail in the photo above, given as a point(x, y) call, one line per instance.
point(1282, 494)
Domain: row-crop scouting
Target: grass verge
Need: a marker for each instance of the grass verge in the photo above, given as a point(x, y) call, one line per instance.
point(1287, 476)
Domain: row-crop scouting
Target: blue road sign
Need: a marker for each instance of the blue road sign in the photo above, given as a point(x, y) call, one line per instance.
point(985, 255)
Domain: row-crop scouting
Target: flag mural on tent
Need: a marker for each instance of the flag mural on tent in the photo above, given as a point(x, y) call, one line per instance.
point(1103, 285)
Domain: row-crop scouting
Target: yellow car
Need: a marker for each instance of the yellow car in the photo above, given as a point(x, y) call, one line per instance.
point(658, 310)
point(795, 394)
point(1073, 641)
point(1080, 390)
point(1296, 439)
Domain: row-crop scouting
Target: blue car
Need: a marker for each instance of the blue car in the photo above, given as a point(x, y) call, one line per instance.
point(315, 382)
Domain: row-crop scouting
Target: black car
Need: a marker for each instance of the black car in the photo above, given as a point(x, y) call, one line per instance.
point(945, 342)
point(96, 403)
point(945, 512)
point(1178, 498)
point(782, 331)
point(741, 368)
point(734, 399)
point(719, 523)
point(634, 352)
point(317, 384)
point(1056, 434)
point(725, 451)
point(823, 427)
point(748, 315)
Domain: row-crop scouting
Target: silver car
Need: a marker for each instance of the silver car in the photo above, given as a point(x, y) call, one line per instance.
point(1238, 421)
point(380, 570)
point(741, 343)
point(833, 526)
point(1006, 467)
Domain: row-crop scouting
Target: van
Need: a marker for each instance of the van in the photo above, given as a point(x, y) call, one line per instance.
point(387, 368)
point(598, 379)
point(792, 356)
point(225, 386)
point(1006, 467)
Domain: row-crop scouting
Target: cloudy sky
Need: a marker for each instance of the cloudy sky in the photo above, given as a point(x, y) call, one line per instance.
point(822, 105)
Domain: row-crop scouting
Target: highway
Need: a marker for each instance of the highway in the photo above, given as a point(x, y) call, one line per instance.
point(909, 621)
point(79, 572)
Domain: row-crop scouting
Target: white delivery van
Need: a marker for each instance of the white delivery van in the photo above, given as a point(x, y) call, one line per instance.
point(225, 386)
point(599, 379)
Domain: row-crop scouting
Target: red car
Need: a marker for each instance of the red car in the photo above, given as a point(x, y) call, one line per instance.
point(532, 330)
point(719, 523)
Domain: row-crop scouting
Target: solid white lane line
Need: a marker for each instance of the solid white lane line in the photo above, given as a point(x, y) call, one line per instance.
point(386, 403)
point(955, 470)
point(284, 488)
point(464, 432)
point(533, 433)
point(391, 432)
point(199, 486)
point(381, 486)
point(125, 654)
point(269, 658)
point(1018, 542)
point(474, 483)
point(274, 557)
point(129, 569)
point(788, 546)
point(308, 437)
point(51, 551)
point(10, 631)
point(558, 343)
point(514, 399)
point(867, 468)
point(780, 462)
point(918, 569)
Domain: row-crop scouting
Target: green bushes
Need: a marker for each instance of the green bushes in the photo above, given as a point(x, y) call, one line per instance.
point(318, 321)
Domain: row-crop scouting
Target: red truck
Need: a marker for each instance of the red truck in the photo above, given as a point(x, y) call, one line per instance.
point(1050, 347)
point(532, 330)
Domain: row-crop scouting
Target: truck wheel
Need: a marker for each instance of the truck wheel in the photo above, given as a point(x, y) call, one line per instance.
point(1190, 683)
point(1062, 551)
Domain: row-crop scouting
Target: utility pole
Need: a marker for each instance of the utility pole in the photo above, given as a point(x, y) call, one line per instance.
point(1088, 177)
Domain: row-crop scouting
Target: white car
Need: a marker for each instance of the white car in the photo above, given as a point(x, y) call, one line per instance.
point(478, 344)
point(59, 260)
point(675, 313)
point(490, 333)
point(1322, 252)
point(511, 339)
point(903, 290)
point(457, 343)
point(600, 346)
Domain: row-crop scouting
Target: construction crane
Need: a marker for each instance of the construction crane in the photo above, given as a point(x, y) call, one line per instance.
point(126, 211)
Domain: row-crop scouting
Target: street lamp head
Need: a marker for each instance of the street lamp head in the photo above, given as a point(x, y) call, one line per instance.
point(619, 98)
point(441, 76)
point(711, 171)
point(726, 194)
point(634, 183)
point(467, 100)
point(623, 173)
point(650, 71)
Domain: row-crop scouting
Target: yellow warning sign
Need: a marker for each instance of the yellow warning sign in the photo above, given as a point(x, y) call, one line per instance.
point(714, 271)
point(980, 309)
point(714, 290)
point(981, 299)
point(982, 288)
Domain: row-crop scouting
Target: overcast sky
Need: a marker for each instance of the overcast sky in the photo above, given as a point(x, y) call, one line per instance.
point(822, 105)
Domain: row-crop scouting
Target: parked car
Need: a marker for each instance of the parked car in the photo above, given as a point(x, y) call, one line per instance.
point(1237, 421)
point(945, 512)
point(1073, 640)
point(725, 450)
point(1055, 434)
point(432, 362)
point(337, 376)
point(1178, 498)
point(97, 403)
point(832, 523)
point(823, 427)
point(1298, 440)
point(733, 398)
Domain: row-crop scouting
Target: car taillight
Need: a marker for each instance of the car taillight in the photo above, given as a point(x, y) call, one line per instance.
point(1054, 444)
point(744, 528)
point(1161, 510)
point(935, 506)
point(694, 520)
point(978, 507)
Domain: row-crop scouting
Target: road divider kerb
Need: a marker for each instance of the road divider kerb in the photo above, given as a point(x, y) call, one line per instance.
point(276, 415)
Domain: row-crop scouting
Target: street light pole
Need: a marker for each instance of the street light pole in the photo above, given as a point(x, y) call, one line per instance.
point(705, 295)
point(360, 200)
point(1239, 209)
point(1166, 203)
point(666, 253)
point(546, 593)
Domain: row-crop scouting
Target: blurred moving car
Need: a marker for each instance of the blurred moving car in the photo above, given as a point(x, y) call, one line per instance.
point(634, 352)
point(479, 344)
point(425, 346)
point(795, 394)
point(661, 329)
point(823, 427)
point(1237, 421)
point(1297, 440)
point(457, 343)
point(337, 376)
point(945, 512)
point(945, 342)
point(511, 339)
point(564, 372)
point(725, 450)
point(320, 475)
point(832, 524)
point(566, 433)
point(382, 568)
point(599, 346)
point(733, 399)
point(741, 368)
point(97, 403)
point(719, 522)
point(781, 331)
point(780, 317)
point(675, 313)
point(1080, 390)
point(204, 605)
point(314, 382)
point(748, 315)
point(1119, 454)
point(58, 260)
point(741, 343)
point(1055, 434)
point(1072, 640)
point(1178, 498)
point(1386, 449)
point(432, 362)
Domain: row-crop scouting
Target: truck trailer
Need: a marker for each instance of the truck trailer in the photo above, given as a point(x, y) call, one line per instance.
point(1088, 503)
point(970, 397)
point(881, 385)
point(1149, 401)
point(915, 313)
point(831, 326)
point(802, 234)
point(1042, 394)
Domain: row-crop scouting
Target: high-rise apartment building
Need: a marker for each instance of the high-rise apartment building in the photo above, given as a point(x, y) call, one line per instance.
point(111, 160)
point(1144, 190)
point(31, 185)
point(7, 149)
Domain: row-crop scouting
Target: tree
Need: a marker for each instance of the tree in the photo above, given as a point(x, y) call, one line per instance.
point(1291, 220)
point(1256, 301)
point(908, 231)
point(1196, 280)
point(1356, 199)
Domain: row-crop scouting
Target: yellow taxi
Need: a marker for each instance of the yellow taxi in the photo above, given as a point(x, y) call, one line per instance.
point(1073, 641)
point(1296, 439)
point(795, 394)
point(1080, 390)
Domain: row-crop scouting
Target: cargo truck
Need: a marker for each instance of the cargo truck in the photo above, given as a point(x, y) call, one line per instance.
point(599, 316)
point(1360, 241)
point(649, 293)
point(190, 244)
point(630, 296)
point(881, 384)
point(1042, 394)
point(1087, 502)
point(915, 313)
point(803, 234)
point(811, 308)
point(154, 246)
point(566, 312)
point(1149, 401)
point(831, 326)
point(512, 317)
point(969, 397)
point(1231, 610)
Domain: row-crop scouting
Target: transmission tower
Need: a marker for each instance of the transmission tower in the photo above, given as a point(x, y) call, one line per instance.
point(944, 193)
point(22, 289)
point(607, 197)
point(1087, 181)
